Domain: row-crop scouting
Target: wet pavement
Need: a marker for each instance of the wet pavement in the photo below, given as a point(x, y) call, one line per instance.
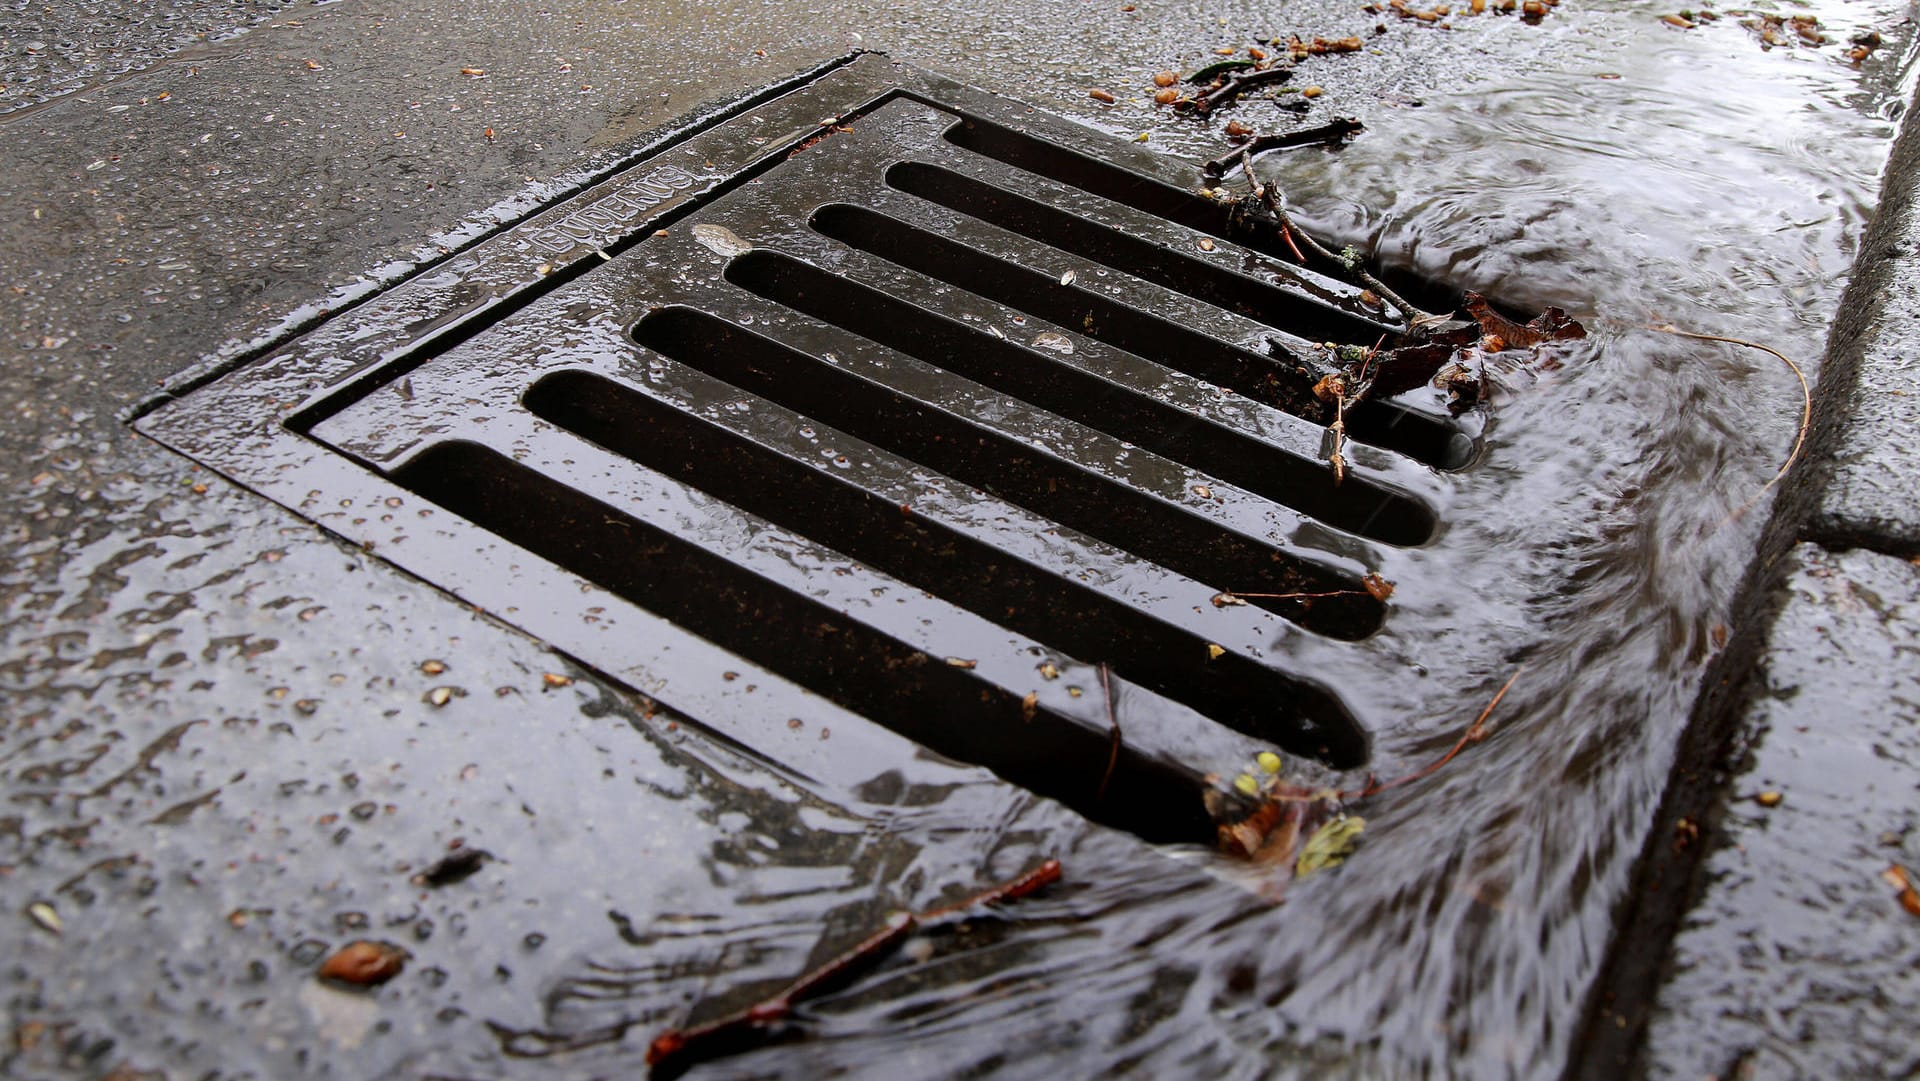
point(232, 742)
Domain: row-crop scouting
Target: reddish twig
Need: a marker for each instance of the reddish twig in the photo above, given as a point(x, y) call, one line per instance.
point(1270, 198)
point(1806, 404)
point(1113, 730)
point(1286, 234)
point(1475, 733)
point(763, 1016)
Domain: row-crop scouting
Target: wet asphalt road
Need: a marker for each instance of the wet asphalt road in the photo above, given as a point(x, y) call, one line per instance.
point(223, 752)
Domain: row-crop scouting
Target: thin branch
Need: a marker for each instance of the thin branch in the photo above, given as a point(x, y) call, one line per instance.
point(1113, 728)
point(1333, 132)
point(1806, 403)
point(1233, 596)
point(763, 1016)
point(1239, 83)
point(1475, 733)
point(1269, 198)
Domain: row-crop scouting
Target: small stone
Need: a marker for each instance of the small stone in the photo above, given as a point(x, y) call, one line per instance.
point(43, 914)
point(433, 668)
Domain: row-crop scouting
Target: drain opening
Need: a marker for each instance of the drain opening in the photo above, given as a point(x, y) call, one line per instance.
point(1113, 407)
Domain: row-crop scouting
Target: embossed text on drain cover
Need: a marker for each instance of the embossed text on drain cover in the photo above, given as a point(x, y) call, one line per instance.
point(906, 403)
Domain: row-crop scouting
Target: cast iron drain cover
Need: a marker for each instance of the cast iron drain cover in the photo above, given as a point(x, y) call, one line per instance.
point(889, 401)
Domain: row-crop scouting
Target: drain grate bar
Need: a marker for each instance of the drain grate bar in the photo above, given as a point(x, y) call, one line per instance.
point(916, 329)
point(1141, 244)
point(1128, 517)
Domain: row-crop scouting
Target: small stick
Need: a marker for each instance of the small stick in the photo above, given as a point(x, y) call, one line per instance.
point(1326, 133)
point(1336, 460)
point(1238, 84)
point(1806, 403)
point(768, 1012)
point(1286, 234)
point(1475, 733)
point(1226, 597)
point(1113, 729)
point(1270, 199)
point(1046, 874)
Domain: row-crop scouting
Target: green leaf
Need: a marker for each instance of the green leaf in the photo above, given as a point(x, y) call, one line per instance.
point(1329, 845)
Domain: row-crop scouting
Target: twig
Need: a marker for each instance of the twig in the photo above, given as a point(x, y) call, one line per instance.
point(1113, 729)
point(1475, 733)
point(1336, 460)
point(1238, 84)
point(1332, 132)
point(1270, 198)
point(763, 1016)
point(1806, 404)
point(1234, 596)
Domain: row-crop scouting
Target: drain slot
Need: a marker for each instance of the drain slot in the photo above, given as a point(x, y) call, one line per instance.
point(1110, 181)
point(1203, 445)
point(1041, 296)
point(946, 708)
point(1150, 337)
point(1123, 517)
point(1248, 296)
point(831, 510)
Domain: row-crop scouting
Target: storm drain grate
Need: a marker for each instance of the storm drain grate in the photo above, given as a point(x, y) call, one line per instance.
point(887, 398)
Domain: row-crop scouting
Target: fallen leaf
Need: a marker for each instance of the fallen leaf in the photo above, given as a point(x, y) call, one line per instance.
point(44, 915)
point(1378, 587)
point(1330, 845)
